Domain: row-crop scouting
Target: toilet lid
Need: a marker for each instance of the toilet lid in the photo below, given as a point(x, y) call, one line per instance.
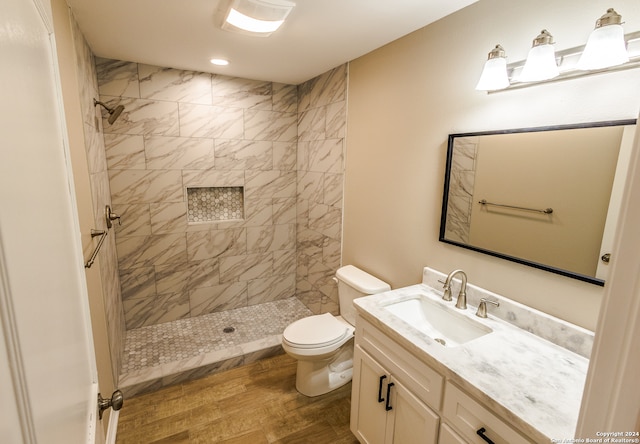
point(315, 331)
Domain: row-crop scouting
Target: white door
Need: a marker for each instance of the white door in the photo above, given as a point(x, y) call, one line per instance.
point(615, 203)
point(48, 382)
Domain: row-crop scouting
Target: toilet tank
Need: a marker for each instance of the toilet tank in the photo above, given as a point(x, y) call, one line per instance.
point(355, 283)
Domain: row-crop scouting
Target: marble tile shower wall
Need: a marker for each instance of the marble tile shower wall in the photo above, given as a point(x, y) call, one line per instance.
point(99, 182)
point(187, 129)
point(463, 176)
point(322, 111)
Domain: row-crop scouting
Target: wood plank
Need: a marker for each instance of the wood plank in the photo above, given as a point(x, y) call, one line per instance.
point(256, 404)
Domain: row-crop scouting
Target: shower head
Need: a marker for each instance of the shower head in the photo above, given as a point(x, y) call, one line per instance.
point(114, 113)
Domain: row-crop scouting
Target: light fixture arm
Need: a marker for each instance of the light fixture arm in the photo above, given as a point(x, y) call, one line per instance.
point(610, 18)
point(496, 52)
point(544, 38)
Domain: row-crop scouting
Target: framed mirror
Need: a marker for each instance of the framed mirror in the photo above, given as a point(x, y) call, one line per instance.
point(547, 197)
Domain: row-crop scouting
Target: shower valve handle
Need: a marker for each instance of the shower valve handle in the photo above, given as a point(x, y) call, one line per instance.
point(111, 216)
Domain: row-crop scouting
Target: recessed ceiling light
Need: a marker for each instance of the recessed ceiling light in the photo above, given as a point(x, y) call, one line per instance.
point(257, 17)
point(220, 62)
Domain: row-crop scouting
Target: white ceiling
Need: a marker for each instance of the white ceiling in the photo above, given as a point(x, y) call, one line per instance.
point(185, 34)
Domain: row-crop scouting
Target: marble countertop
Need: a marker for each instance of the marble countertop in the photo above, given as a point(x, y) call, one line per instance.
point(529, 381)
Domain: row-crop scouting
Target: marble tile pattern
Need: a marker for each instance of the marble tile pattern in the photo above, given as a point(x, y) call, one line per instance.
point(181, 130)
point(100, 192)
point(322, 105)
point(532, 383)
point(163, 354)
point(462, 178)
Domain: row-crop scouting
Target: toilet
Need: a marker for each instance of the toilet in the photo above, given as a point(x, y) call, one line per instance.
point(323, 344)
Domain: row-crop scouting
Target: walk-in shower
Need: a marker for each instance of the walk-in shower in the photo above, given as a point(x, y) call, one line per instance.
point(195, 289)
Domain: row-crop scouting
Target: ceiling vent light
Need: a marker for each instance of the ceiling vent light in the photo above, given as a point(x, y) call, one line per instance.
point(256, 17)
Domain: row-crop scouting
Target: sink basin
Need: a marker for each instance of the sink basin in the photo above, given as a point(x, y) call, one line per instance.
point(441, 323)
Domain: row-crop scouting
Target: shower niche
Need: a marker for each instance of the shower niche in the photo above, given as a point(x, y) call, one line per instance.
point(215, 204)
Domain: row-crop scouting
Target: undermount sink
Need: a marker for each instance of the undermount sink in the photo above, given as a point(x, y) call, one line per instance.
point(441, 323)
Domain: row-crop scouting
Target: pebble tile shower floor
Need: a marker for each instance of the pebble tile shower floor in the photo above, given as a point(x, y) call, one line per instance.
point(155, 351)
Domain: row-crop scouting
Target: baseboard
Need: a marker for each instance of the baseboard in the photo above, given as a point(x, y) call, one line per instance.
point(112, 430)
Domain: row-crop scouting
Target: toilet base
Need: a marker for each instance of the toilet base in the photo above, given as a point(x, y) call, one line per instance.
point(315, 378)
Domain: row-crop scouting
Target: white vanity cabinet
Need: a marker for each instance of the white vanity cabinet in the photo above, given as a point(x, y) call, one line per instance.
point(388, 412)
point(397, 398)
point(448, 436)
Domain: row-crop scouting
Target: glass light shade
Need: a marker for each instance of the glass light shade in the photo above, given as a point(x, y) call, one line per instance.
point(540, 64)
point(239, 20)
point(258, 17)
point(605, 48)
point(494, 75)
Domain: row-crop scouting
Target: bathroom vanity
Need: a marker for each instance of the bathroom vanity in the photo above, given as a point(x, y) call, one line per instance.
point(514, 377)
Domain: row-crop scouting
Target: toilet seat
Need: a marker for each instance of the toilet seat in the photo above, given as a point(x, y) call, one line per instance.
point(316, 331)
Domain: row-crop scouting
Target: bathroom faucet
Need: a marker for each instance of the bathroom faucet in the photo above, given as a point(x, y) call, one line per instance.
point(461, 303)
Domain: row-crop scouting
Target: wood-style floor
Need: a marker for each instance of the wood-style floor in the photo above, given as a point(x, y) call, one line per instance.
point(257, 403)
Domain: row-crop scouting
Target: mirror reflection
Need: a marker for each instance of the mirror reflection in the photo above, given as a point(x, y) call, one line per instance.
point(545, 197)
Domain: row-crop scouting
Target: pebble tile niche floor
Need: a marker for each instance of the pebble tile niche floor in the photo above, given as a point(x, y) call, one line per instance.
point(172, 343)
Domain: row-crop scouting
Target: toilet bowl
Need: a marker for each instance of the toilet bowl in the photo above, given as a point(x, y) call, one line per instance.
point(323, 344)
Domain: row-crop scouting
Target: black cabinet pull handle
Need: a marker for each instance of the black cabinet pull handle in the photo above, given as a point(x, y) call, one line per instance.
point(388, 407)
point(480, 432)
point(380, 398)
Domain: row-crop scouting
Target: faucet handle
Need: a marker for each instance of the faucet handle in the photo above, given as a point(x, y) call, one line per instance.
point(482, 308)
point(446, 294)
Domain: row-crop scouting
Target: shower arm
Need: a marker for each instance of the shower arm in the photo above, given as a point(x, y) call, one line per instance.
point(102, 104)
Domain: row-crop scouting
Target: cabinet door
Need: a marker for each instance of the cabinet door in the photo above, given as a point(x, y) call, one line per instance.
point(368, 414)
point(413, 422)
point(448, 436)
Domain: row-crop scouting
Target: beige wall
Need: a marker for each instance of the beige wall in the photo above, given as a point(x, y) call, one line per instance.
point(570, 171)
point(405, 98)
point(73, 115)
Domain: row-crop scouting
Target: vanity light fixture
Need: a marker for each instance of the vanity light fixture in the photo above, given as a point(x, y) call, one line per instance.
point(494, 74)
point(606, 46)
point(573, 62)
point(541, 61)
point(256, 17)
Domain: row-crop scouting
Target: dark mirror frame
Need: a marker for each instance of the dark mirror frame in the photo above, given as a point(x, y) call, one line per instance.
point(447, 180)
